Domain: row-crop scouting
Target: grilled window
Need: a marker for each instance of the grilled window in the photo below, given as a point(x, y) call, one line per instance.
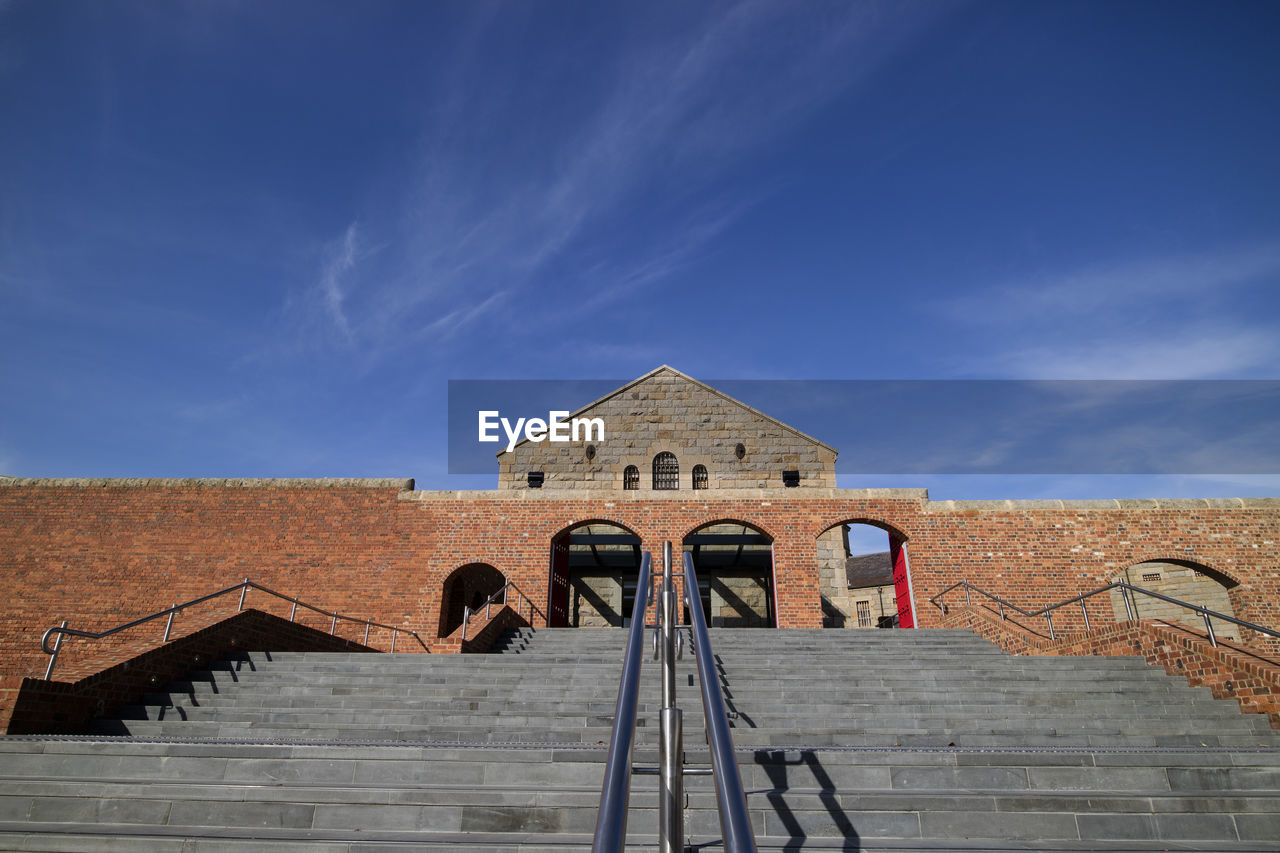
point(666, 471)
point(864, 614)
point(699, 476)
point(631, 478)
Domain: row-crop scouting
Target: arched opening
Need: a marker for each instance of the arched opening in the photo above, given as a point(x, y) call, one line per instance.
point(467, 586)
point(865, 576)
point(666, 471)
point(1184, 580)
point(700, 479)
point(734, 562)
point(595, 566)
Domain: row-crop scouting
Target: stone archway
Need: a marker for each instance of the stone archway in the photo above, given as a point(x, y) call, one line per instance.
point(467, 586)
point(1185, 580)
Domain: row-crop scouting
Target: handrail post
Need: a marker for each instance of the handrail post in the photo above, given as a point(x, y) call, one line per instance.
point(1128, 606)
point(670, 725)
point(1208, 626)
point(1085, 611)
point(395, 632)
point(333, 626)
point(244, 587)
point(966, 591)
point(53, 656)
point(466, 620)
point(168, 626)
point(1001, 603)
point(1048, 614)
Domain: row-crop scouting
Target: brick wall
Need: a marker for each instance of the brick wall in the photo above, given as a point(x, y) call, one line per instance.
point(102, 552)
point(1229, 671)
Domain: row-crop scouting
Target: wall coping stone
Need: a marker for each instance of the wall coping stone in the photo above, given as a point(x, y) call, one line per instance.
point(688, 496)
point(206, 483)
point(921, 496)
point(405, 486)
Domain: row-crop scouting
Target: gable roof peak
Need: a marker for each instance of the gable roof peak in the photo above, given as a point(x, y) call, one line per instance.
point(666, 368)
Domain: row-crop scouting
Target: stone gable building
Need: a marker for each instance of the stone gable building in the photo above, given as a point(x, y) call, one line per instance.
point(667, 431)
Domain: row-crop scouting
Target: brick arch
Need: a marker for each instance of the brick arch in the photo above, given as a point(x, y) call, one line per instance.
point(598, 519)
point(466, 586)
point(753, 525)
point(1224, 597)
point(1224, 578)
point(891, 529)
point(559, 592)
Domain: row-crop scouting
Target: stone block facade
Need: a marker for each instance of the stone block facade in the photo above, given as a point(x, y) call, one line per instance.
point(1183, 583)
point(666, 411)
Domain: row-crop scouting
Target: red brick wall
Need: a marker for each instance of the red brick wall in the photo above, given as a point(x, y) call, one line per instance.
point(1228, 670)
point(102, 552)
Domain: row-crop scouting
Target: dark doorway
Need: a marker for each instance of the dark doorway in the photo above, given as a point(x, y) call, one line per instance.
point(734, 563)
point(468, 586)
point(594, 570)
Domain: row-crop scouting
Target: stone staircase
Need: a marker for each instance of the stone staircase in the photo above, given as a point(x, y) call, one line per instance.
point(847, 740)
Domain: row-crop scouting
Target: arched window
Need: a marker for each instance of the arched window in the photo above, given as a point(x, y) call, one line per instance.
point(666, 471)
point(631, 478)
point(699, 476)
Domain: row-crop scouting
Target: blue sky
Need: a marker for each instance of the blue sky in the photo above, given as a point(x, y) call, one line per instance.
point(257, 239)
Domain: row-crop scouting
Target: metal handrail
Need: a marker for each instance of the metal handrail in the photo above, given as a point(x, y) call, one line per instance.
point(243, 587)
point(735, 822)
point(467, 612)
point(615, 792)
point(1126, 590)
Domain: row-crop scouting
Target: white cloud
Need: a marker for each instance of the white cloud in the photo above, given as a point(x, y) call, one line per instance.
point(337, 268)
point(502, 198)
point(1229, 352)
point(1186, 316)
point(1119, 285)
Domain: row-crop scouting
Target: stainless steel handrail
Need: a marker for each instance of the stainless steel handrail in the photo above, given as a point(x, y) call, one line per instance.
point(62, 631)
point(467, 612)
point(735, 822)
point(1126, 589)
point(615, 792)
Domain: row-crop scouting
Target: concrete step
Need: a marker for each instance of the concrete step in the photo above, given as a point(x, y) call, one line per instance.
point(337, 794)
point(877, 739)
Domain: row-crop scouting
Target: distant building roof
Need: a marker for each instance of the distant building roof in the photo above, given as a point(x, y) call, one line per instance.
point(869, 570)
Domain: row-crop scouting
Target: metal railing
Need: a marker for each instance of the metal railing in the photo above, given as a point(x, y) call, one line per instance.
point(731, 800)
point(735, 822)
point(500, 598)
point(615, 793)
point(1126, 592)
point(62, 631)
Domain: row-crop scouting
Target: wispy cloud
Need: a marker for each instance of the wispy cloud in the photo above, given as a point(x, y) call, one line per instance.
point(1176, 354)
point(610, 185)
point(1182, 316)
point(1120, 284)
point(337, 268)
